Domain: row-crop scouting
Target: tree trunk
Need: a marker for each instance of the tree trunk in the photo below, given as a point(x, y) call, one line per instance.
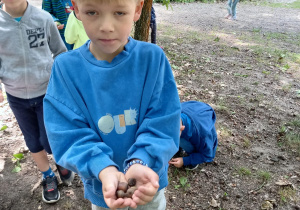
point(141, 30)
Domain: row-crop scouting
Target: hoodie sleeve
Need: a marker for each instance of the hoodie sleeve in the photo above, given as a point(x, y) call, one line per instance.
point(74, 143)
point(157, 138)
point(55, 42)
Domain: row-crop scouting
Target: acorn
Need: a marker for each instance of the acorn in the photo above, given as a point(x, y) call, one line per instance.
point(122, 186)
point(120, 194)
point(132, 182)
point(130, 192)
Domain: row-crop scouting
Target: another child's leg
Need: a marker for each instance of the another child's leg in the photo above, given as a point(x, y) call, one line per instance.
point(153, 31)
point(24, 111)
point(66, 176)
point(229, 7)
point(234, 3)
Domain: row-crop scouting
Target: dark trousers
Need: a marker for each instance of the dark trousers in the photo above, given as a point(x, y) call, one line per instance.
point(153, 31)
point(29, 114)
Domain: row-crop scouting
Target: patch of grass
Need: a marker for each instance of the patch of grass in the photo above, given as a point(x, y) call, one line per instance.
point(241, 75)
point(286, 88)
point(247, 142)
point(243, 171)
point(265, 176)
point(287, 193)
point(266, 72)
point(290, 135)
point(225, 132)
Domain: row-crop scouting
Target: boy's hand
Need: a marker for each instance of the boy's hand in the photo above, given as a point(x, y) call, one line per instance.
point(177, 162)
point(1, 96)
point(146, 183)
point(110, 177)
point(59, 25)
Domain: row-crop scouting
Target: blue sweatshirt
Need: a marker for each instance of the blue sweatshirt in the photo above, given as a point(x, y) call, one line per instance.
point(201, 132)
point(100, 114)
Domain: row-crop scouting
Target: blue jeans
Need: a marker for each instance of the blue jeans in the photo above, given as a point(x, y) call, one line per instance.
point(186, 146)
point(231, 7)
point(29, 114)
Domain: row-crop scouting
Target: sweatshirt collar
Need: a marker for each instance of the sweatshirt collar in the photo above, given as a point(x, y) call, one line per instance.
point(84, 50)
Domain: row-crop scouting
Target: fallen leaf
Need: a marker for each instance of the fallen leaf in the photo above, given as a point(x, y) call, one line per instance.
point(214, 203)
point(267, 205)
point(284, 183)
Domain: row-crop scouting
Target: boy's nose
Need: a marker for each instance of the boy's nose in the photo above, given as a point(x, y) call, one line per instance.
point(106, 25)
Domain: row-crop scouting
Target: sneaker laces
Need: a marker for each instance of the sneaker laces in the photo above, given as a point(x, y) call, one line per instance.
point(50, 184)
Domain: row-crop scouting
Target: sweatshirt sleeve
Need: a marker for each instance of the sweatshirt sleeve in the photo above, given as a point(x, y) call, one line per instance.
point(157, 138)
point(75, 145)
point(56, 44)
point(70, 32)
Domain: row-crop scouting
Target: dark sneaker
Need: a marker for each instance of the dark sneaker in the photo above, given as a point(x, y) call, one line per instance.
point(180, 153)
point(191, 167)
point(65, 175)
point(50, 192)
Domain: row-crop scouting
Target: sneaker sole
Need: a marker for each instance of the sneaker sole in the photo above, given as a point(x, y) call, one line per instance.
point(68, 182)
point(188, 169)
point(51, 201)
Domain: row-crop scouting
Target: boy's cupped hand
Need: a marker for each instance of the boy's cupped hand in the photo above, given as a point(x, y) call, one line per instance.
point(110, 177)
point(146, 183)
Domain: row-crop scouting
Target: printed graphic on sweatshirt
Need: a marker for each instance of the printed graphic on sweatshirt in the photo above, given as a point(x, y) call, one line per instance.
point(108, 122)
point(36, 37)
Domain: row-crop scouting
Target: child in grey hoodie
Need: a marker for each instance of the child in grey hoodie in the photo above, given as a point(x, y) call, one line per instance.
point(28, 39)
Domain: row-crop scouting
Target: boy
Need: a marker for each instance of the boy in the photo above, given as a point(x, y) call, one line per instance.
point(113, 110)
point(198, 137)
point(28, 39)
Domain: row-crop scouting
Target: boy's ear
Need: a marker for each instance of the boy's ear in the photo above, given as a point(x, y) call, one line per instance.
point(138, 10)
point(74, 3)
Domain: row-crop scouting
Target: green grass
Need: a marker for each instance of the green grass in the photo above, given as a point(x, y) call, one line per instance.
point(265, 176)
point(290, 135)
point(243, 171)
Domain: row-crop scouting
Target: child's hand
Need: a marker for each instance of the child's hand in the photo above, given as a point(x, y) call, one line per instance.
point(59, 25)
point(110, 177)
point(146, 183)
point(177, 162)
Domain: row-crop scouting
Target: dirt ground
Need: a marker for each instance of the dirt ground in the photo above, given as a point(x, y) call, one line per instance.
point(248, 71)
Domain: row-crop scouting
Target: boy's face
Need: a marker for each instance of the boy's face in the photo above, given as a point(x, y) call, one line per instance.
point(108, 24)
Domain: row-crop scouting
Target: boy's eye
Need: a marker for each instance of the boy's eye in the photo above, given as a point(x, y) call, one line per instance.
point(91, 13)
point(119, 13)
